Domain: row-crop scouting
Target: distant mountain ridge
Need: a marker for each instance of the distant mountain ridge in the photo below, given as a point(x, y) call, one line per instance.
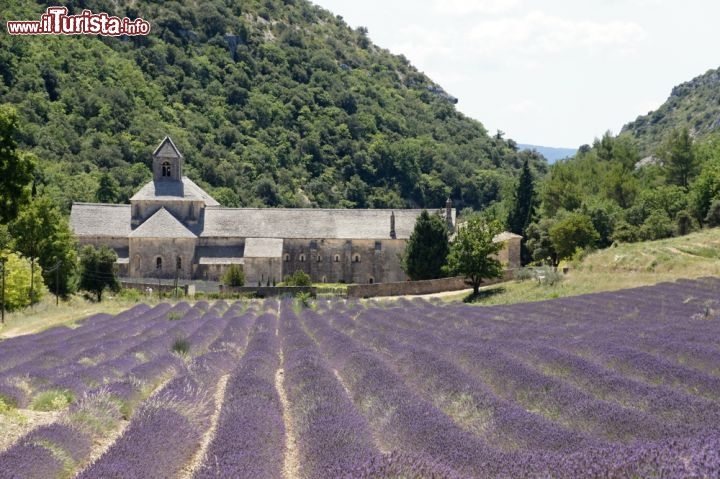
point(695, 104)
point(551, 154)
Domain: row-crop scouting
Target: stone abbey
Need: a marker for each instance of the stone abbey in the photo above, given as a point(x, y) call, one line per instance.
point(172, 227)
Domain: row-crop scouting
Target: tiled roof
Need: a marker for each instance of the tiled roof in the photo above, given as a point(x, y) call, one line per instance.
point(263, 247)
point(174, 191)
point(307, 223)
point(162, 225)
point(92, 219)
point(114, 220)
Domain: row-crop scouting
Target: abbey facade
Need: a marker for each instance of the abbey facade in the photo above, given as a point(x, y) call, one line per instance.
point(173, 228)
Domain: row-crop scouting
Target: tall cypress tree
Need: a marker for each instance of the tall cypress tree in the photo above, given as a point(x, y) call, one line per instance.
point(427, 248)
point(523, 210)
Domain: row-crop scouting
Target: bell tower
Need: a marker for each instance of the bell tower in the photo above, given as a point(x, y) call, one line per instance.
point(167, 162)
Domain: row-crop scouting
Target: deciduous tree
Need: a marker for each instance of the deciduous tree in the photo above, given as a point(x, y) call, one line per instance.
point(574, 230)
point(472, 253)
point(539, 243)
point(17, 282)
point(43, 235)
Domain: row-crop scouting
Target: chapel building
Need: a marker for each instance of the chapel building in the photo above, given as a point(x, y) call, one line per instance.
point(172, 227)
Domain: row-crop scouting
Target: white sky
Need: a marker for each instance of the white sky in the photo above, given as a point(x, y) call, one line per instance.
point(548, 72)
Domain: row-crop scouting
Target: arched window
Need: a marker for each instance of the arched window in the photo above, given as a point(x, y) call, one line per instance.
point(319, 258)
point(302, 258)
point(178, 262)
point(166, 170)
point(371, 281)
point(337, 258)
point(356, 258)
point(287, 258)
point(158, 262)
point(324, 279)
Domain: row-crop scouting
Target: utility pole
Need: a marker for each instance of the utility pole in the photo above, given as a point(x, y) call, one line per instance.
point(178, 266)
point(2, 306)
point(32, 282)
point(57, 282)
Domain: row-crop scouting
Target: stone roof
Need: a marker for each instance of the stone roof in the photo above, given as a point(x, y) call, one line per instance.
point(307, 223)
point(186, 190)
point(92, 219)
point(162, 225)
point(263, 247)
point(291, 223)
point(167, 149)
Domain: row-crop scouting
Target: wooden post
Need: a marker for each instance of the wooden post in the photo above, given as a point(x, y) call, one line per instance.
point(57, 283)
point(2, 291)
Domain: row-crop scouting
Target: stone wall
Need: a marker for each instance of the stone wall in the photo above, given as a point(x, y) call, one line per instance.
point(150, 288)
point(266, 292)
point(262, 270)
point(509, 256)
point(344, 261)
point(406, 288)
point(144, 253)
point(209, 272)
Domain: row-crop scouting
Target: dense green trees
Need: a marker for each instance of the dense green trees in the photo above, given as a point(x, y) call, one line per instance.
point(16, 168)
point(621, 198)
point(427, 248)
point(300, 110)
point(472, 252)
point(108, 189)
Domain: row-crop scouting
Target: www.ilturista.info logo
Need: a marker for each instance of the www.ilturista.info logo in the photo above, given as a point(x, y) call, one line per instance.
point(56, 21)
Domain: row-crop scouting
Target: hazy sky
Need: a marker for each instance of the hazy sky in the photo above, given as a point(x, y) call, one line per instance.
point(548, 72)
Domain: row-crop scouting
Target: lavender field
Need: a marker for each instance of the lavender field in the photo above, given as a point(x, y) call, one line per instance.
point(612, 385)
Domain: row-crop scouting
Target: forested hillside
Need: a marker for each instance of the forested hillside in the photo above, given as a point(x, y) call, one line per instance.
point(660, 177)
point(275, 103)
point(694, 104)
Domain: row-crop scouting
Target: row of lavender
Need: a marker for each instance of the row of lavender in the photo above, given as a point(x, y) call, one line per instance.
point(620, 384)
point(613, 385)
point(133, 352)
